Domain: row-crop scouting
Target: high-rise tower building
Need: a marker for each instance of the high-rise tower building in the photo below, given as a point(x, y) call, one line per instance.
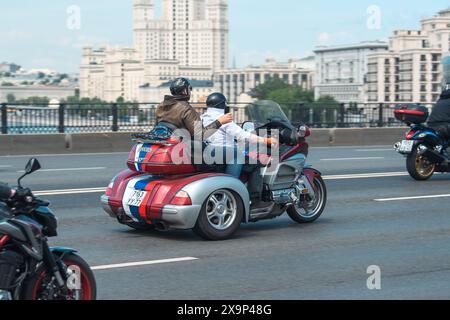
point(193, 32)
point(190, 39)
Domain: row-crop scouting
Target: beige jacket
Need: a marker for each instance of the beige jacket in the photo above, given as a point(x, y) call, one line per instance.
point(181, 114)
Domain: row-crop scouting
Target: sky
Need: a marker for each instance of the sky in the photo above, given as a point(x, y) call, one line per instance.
point(42, 34)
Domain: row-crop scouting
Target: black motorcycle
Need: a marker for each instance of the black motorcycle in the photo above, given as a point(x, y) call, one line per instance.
point(29, 268)
point(423, 147)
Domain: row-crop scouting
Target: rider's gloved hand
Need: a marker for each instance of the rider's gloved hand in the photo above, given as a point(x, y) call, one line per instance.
point(21, 193)
point(272, 142)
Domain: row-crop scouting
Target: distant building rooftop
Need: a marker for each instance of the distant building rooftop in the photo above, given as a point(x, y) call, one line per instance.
point(194, 83)
point(360, 45)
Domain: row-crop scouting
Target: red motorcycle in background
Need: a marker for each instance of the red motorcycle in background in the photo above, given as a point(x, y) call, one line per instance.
point(156, 193)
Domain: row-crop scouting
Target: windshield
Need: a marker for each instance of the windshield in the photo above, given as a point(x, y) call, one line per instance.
point(266, 111)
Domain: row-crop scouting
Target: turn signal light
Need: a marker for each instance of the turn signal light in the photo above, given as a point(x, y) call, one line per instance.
point(181, 199)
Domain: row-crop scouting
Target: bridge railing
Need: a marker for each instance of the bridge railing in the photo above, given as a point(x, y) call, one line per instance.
point(115, 117)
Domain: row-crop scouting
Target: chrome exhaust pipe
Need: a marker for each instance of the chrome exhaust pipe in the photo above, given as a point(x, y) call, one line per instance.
point(5, 295)
point(431, 155)
point(422, 149)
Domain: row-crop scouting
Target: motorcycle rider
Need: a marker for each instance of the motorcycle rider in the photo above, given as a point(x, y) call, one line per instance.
point(177, 111)
point(440, 116)
point(226, 138)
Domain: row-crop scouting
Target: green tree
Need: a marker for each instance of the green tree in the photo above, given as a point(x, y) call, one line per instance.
point(40, 101)
point(326, 110)
point(291, 98)
point(7, 84)
point(263, 91)
point(10, 98)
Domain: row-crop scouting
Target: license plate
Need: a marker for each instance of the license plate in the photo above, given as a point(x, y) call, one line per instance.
point(406, 146)
point(136, 198)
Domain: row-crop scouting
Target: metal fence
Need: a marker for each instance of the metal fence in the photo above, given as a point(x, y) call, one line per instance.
point(79, 118)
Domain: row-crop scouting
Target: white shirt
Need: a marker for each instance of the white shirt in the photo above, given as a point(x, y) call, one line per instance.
point(228, 133)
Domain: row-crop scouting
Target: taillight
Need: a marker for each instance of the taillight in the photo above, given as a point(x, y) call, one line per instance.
point(181, 199)
point(109, 189)
point(410, 134)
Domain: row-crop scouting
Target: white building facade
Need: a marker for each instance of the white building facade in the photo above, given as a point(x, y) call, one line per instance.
point(411, 71)
point(237, 84)
point(341, 70)
point(190, 40)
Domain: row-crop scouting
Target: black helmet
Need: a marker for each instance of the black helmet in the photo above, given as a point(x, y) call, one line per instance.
point(180, 87)
point(217, 100)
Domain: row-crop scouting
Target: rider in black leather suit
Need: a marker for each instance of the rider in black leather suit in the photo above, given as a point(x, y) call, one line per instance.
point(439, 119)
point(440, 115)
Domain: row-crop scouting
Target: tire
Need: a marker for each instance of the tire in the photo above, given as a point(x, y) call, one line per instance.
point(209, 225)
point(310, 213)
point(414, 164)
point(33, 286)
point(140, 227)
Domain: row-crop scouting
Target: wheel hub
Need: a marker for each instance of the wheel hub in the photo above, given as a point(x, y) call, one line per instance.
point(221, 209)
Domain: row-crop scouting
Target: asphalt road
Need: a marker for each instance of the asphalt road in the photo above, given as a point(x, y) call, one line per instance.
point(408, 239)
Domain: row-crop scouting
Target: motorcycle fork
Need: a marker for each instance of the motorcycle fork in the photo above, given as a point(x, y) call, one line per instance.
point(52, 265)
point(309, 185)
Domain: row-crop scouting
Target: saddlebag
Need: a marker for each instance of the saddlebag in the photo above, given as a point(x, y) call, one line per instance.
point(411, 113)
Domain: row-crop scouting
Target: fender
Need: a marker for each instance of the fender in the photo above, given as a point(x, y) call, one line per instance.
point(62, 251)
point(311, 173)
point(200, 190)
point(424, 134)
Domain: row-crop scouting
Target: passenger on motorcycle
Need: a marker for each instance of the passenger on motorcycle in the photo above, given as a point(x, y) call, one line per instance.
point(227, 138)
point(176, 111)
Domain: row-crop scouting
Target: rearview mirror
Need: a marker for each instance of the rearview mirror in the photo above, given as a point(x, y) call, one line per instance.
point(248, 126)
point(32, 166)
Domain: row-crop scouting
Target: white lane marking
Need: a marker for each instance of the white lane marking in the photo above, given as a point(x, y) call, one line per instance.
point(350, 147)
point(414, 198)
point(69, 191)
point(5, 166)
point(350, 159)
point(365, 175)
point(331, 177)
point(66, 155)
point(68, 169)
point(142, 263)
point(374, 150)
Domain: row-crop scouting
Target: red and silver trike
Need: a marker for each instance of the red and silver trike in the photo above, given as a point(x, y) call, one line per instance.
point(157, 193)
